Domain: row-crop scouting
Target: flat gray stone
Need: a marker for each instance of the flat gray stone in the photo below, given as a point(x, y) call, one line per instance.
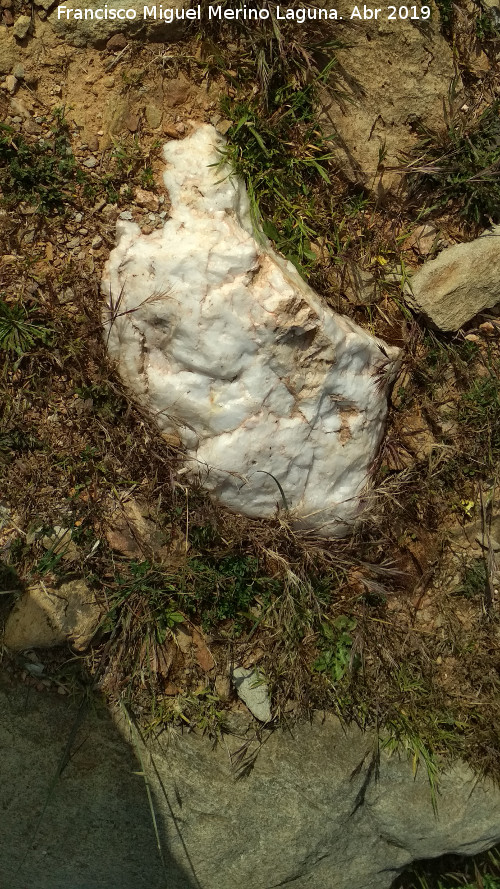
point(95, 32)
point(253, 691)
point(462, 281)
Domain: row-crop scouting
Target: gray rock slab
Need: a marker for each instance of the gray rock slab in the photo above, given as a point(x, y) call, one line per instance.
point(92, 829)
point(462, 281)
point(307, 809)
point(387, 76)
point(96, 32)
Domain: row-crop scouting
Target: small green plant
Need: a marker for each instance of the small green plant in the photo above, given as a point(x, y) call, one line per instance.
point(337, 643)
point(486, 26)
point(18, 335)
point(474, 579)
point(128, 165)
point(446, 17)
point(451, 871)
point(222, 589)
point(201, 710)
point(461, 165)
point(43, 173)
point(479, 415)
point(283, 157)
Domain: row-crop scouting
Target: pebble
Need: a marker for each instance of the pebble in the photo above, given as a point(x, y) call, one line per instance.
point(74, 242)
point(253, 691)
point(126, 214)
point(171, 131)
point(90, 162)
point(22, 26)
point(11, 83)
point(32, 128)
point(18, 72)
point(96, 242)
point(109, 211)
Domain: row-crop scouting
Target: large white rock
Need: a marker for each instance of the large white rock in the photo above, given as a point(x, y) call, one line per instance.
point(221, 339)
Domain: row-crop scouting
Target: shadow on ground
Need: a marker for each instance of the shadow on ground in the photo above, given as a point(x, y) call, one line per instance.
point(74, 808)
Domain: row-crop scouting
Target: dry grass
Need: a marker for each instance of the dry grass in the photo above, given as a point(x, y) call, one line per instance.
point(368, 627)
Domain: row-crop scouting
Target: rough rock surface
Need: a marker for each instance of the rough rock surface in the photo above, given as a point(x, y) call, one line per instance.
point(310, 812)
point(45, 617)
point(389, 75)
point(96, 32)
point(8, 51)
point(462, 281)
point(238, 359)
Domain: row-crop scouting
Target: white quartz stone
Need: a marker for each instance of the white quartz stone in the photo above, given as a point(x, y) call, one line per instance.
point(237, 358)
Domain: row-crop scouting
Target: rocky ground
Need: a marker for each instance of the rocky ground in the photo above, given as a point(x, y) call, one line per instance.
point(397, 626)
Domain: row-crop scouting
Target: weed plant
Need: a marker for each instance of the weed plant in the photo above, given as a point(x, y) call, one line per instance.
point(460, 167)
point(451, 871)
point(43, 173)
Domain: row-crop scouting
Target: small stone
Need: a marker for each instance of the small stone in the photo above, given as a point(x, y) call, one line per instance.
point(21, 27)
point(97, 242)
point(461, 282)
point(224, 126)
point(67, 296)
point(45, 617)
point(31, 127)
point(18, 72)
point(93, 143)
point(132, 121)
point(8, 18)
point(176, 91)
point(126, 214)
point(170, 131)
point(154, 116)
point(146, 199)
point(422, 239)
point(6, 4)
point(73, 243)
point(11, 83)
point(90, 162)
point(110, 211)
point(253, 691)
point(116, 43)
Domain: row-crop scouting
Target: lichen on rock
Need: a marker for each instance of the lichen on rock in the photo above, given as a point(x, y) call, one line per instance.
point(275, 398)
